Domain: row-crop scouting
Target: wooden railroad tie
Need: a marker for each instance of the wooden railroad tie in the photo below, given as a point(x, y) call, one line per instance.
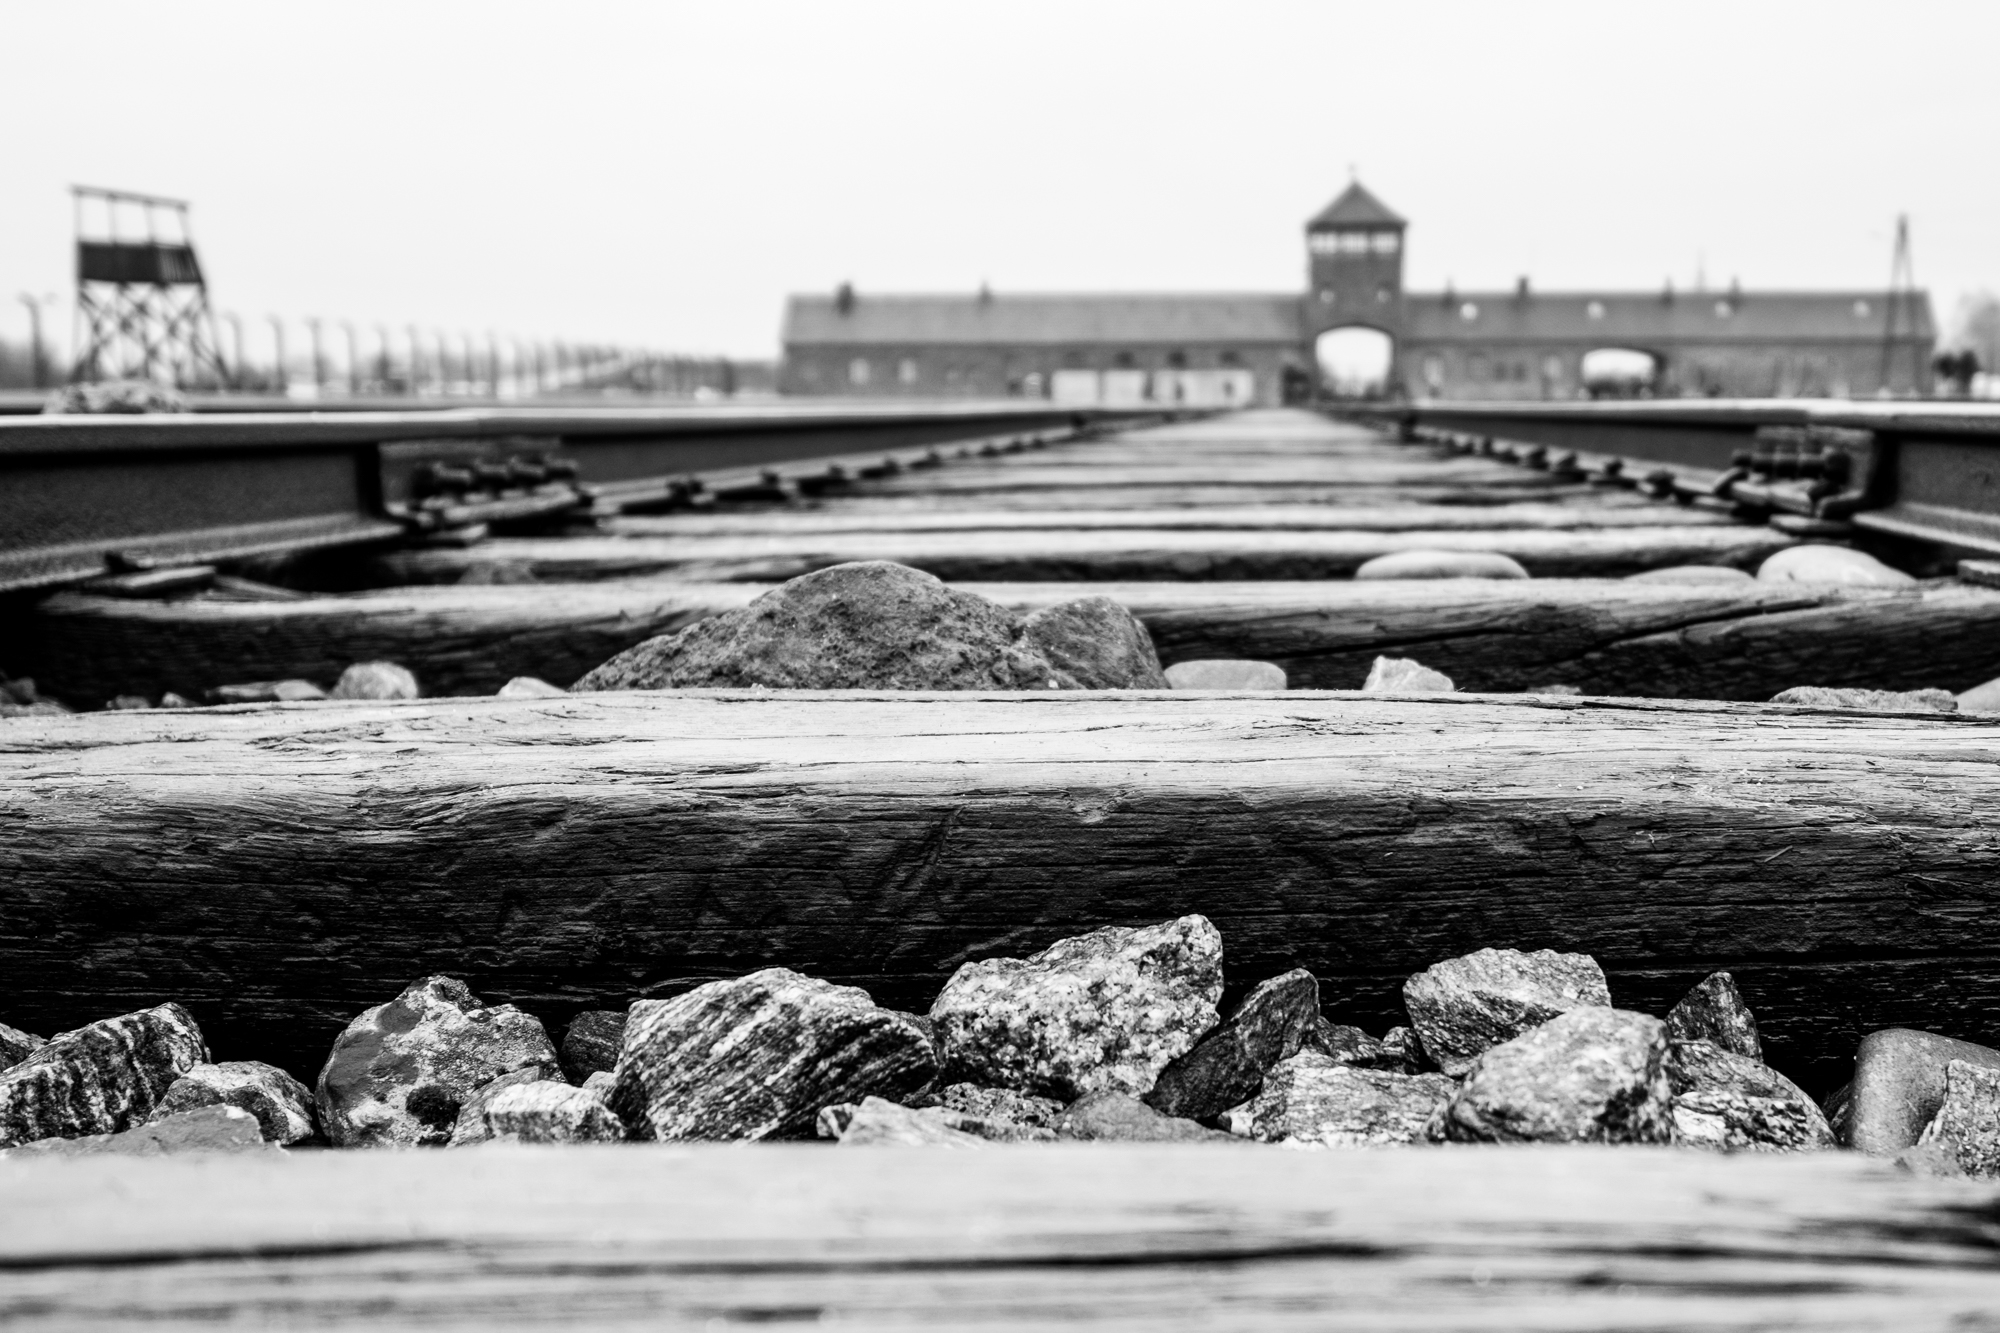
point(278, 868)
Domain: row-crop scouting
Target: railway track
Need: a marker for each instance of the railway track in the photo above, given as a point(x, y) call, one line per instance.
point(1608, 779)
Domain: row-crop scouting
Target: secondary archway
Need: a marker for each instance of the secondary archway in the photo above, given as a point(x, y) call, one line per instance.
point(1619, 372)
point(1354, 361)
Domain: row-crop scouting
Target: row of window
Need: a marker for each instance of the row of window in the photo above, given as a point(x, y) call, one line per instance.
point(1724, 309)
point(861, 371)
point(1353, 242)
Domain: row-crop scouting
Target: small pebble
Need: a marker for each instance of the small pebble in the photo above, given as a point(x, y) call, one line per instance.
point(529, 687)
point(1691, 574)
point(267, 691)
point(1226, 673)
point(1442, 565)
point(376, 680)
point(1403, 675)
point(1830, 564)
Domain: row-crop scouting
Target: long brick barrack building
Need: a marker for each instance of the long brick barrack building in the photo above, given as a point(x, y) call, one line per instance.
point(1356, 330)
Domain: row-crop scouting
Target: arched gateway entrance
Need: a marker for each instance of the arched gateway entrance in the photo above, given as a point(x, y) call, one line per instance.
point(1354, 361)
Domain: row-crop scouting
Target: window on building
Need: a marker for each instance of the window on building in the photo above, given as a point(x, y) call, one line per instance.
point(1552, 369)
point(1326, 296)
point(1229, 359)
point(1383, 242)
point(1595, 310)
point(1861, 310)
point(1469, 311)
point(857, 371)
point(1723, 310)
point(1434, 372)
point(1353, 242)
point(1322, 242)
point(1123, 360)
point(906, 371)
point(1177, 359)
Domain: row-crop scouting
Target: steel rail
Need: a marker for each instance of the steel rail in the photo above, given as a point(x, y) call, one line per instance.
point(1925, 471)
point(83, 495)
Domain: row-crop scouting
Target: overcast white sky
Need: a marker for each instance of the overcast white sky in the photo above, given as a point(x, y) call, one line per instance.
point(663, 173)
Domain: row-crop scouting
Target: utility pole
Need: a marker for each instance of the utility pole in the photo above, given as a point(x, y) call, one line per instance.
point(353, 359)
point(383, 364)
point(38, 365)
point(235, 323)
point(1902, 301)
point(319, 359)
point(282, 372)
point(416, 361)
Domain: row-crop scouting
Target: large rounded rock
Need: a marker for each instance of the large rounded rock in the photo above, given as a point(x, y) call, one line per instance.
point(1594, 1075)
point(1442, 565)
point(400, 1073)
point(759, 1056)
point(103, 1078)
point(1830, 564)
point(1097, 643)
point(868, 625)
point(1101, 1011)
point(283, 1105)
point(1463, 1006)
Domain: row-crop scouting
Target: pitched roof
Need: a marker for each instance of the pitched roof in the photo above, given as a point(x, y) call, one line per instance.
point(1029, 318)
point(1355, 208)
point(1643, 319)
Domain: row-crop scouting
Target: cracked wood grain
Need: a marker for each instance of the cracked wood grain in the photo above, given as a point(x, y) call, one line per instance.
point(1097, 1236)
point(279, 868)
point(1731, 641)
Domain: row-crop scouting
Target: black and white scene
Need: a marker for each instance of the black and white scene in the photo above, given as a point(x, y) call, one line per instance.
point(1276, 666)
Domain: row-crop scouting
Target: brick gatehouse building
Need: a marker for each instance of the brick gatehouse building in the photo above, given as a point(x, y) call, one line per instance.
point(1356, 330)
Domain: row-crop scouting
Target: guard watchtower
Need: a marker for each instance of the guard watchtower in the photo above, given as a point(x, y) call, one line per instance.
point(142, 304)
point(1354, 265)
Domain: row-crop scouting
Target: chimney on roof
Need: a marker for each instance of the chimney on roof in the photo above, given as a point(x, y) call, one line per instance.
point(1521, 288)
point(985, 294)
point(1449, 295)
point(1667, 293)
point(843, 298)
